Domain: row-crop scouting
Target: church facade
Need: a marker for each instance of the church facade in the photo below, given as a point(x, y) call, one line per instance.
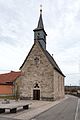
point(43, 79)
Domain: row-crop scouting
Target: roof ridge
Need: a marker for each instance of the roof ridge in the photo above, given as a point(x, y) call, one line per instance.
point(10, 72)
point(10, 77)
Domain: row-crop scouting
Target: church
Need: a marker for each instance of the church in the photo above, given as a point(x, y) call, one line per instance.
point(43, 79)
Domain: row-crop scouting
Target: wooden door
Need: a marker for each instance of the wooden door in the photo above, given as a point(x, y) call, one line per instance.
point(36, 94)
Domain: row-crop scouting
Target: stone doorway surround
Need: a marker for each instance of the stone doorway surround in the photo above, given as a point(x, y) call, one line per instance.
point(36, 94)
point(36, 91)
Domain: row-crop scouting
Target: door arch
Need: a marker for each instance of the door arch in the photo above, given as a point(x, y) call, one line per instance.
point(36, 92)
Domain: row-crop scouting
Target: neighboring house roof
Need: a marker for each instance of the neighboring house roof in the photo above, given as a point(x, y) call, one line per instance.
point(49, 57)
point(9, 77)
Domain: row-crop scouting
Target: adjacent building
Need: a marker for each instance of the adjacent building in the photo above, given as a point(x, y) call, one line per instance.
point(8, 83)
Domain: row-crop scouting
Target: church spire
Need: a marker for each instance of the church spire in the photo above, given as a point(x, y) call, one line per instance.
point(39, 32)
point(40, 22)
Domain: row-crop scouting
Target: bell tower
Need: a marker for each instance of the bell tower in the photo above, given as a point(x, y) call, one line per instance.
point(39, 32)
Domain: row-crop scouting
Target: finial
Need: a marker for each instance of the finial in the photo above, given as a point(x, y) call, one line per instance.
point(52, 55)
point(40, 9)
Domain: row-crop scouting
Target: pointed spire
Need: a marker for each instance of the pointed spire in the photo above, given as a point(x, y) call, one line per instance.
point(40, 22)
point(39, 32)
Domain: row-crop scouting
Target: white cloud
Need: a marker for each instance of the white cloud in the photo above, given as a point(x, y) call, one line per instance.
point(61, 18)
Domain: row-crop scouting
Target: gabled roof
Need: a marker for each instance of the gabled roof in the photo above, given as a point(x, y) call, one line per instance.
point(9, 77)
point(49, 57)
point(53, 62)
point(27, 56)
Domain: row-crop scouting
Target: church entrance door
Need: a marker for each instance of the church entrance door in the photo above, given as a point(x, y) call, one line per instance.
point(36, 94)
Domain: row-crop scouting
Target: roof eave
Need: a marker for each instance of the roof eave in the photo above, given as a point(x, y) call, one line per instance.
point(38, 29)
point(60, 72)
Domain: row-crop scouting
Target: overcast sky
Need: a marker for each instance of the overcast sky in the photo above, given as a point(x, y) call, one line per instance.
point(61, 20)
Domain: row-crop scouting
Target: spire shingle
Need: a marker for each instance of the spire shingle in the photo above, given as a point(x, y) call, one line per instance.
point(40, 22)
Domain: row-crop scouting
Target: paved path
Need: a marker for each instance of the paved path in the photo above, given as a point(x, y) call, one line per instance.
point(4, 118)
point(36, 108)
point(66, 110)
point(78, 110)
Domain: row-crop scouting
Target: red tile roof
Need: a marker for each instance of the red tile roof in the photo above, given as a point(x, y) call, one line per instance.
point(10, 77)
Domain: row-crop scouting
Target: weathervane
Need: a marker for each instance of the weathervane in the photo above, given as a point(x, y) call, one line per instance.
point(40, 9)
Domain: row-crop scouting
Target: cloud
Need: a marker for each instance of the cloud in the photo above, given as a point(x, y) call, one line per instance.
point(61, 20)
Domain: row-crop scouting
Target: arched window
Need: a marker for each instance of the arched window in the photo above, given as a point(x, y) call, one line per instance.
point(36, 85)
point(36, 60)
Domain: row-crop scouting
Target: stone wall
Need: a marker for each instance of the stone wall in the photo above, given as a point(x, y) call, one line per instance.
point(58, 85)
point(40, 73)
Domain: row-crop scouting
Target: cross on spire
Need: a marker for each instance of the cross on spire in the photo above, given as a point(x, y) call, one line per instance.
point(40, 9)
point(39, 32)
point(40, 22)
